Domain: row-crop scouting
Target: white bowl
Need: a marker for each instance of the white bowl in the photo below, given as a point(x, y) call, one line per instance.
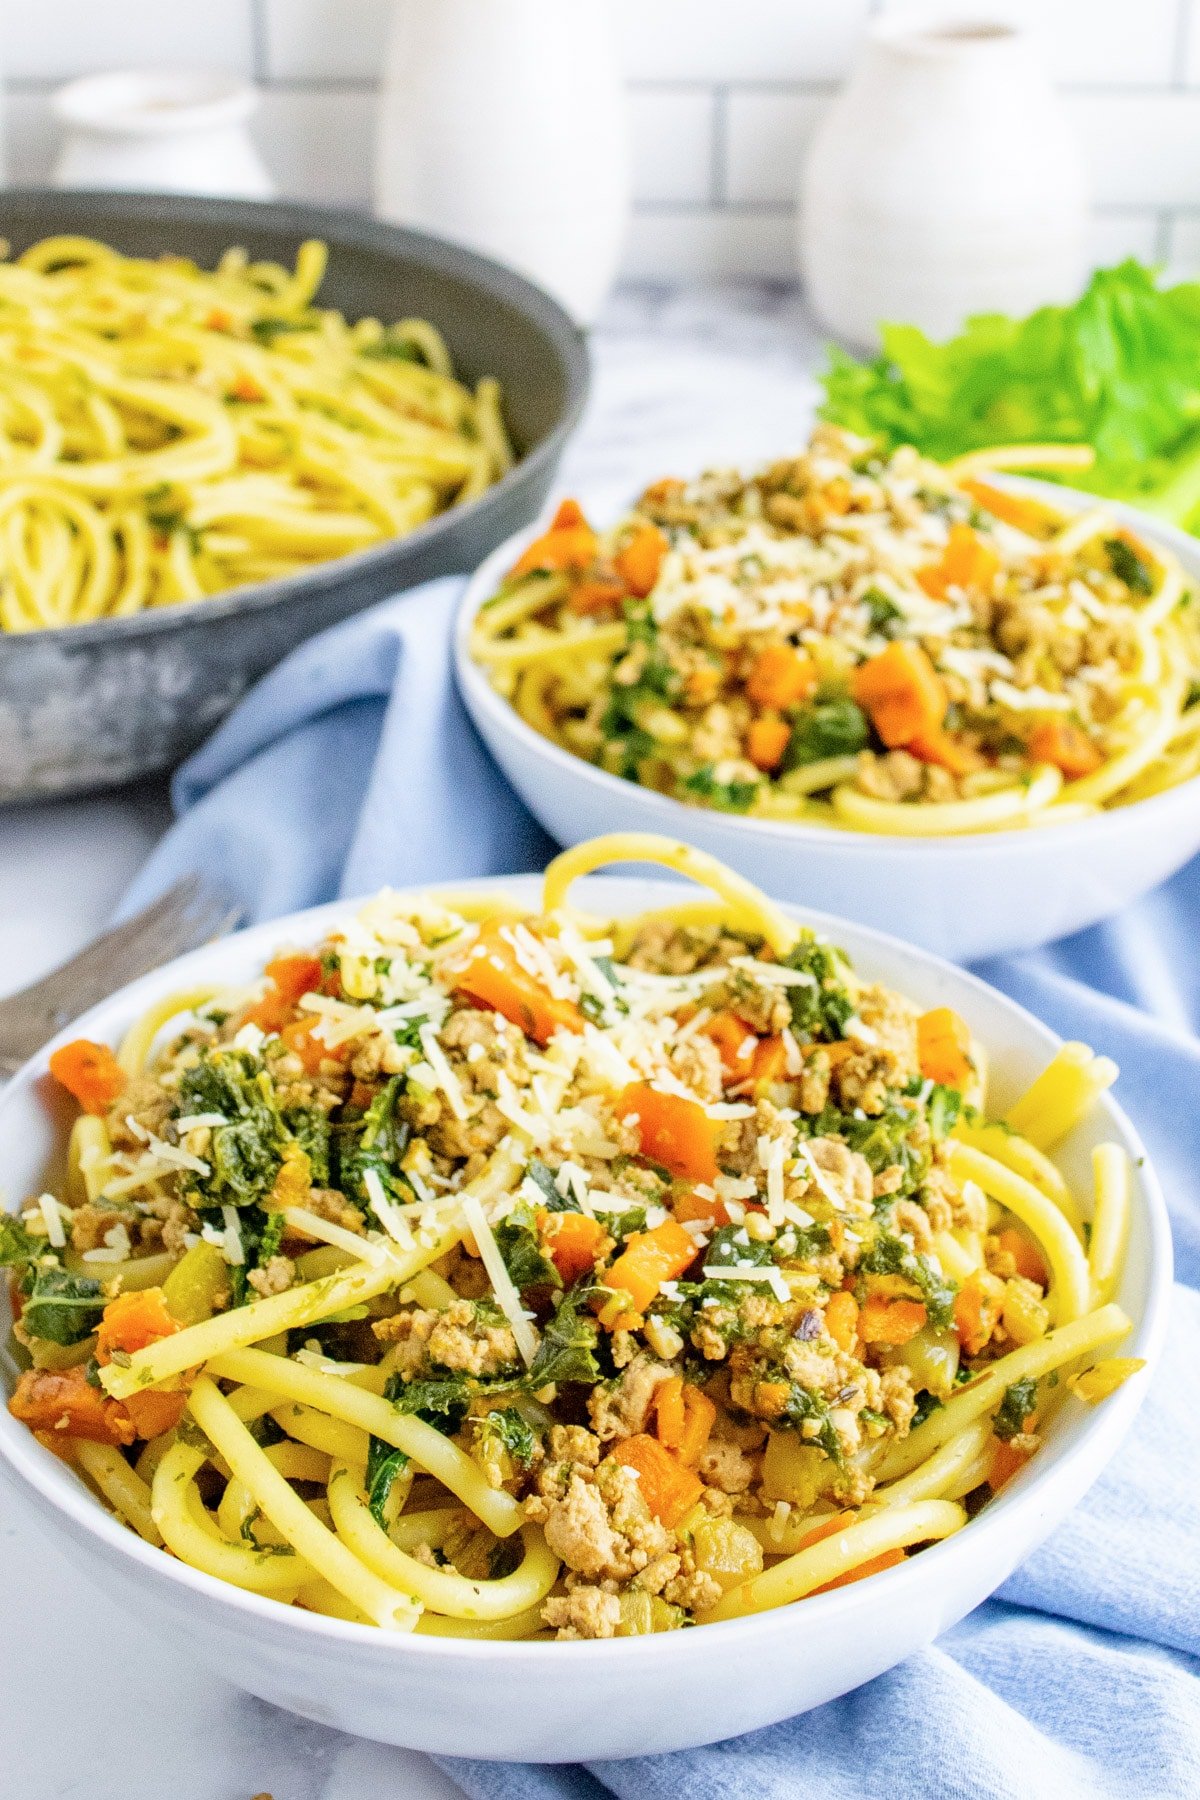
point(551, 1702)
point(965, 897)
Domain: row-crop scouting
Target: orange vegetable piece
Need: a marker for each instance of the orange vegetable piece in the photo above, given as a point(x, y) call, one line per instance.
point(1006, 1461)
point(573, 1240)
point(640, 558)
point(944, 1047)
point(156, 1410)
point(64, 1401)
point(700, 1415)
point(902, 692)
point(570, 543)
point(966, 562)
point(769, 1063)
point(841, 1319)
point(596, 592)
point(690, 1207)
point(975, 1315)
point(736, 1042)
point(312, 1051)
point(669, 1489)
point(132, 1321)
point(669, 1413)
point(650, 1258)
point(674, 1131)
point(246, 388)
point(766, 741)
point(946, 751)
point(90, 1072)
point(1014, 509)
point(827, 1528)
point(491, 975)
point(290, 977)
point(1026, 1255)
point(219, 320)
point(781, 676)
point(887, 1559)
point(1065, 745)
point(884, 1321)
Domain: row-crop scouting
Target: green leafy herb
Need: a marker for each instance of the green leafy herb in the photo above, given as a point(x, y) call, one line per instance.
point(385, 1465)
point(309, 1128)
point(1118, 369)
point(826, 728)
point(61, 1307)
point(806, 1408)
point(1019, 1401)
point(17, 1246)
point(943, 1109)
point(726, 796)
point(544, 1179)
point(1128, 566)
point(512, 1431)
point(890, 1255)
point(927, 1405)
point(725, 1249)
point(380, 1144)
point(521, 1247)
point(882, 612)
point(567, 1351)
point(441, 1400)
point(244, 1154)
point(822, 1004)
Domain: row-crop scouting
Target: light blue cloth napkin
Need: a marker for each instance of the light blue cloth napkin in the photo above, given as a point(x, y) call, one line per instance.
point(353, 765)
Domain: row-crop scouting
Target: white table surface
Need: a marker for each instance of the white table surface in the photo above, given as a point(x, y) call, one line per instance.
point(89, 1707)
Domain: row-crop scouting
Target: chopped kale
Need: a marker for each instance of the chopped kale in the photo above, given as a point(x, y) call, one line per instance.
point(806, 1408)
point(513, 1432)
point(17, 1246)
point(943, 1110)
point(1020, 1400)
point(521, 1247)
point(244, 1154)
point(378, 1144)
point(384, 1465)
point(890, 1255)
point(567, 1351)
point(1128, 566)
point(61, 1307)
point(927, 1405)
point(441, 1400)
point(544, 1179)
point(823, 729)
point(309, 1128)
point(889, 1139)
point(882, 612)
point(821, 1005)
point(725, 1248)
point(726, 796)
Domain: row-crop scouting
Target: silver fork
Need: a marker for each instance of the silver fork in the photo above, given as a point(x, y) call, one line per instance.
point(186, 915)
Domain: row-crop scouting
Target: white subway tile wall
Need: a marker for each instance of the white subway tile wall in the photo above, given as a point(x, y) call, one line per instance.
point(724, 95)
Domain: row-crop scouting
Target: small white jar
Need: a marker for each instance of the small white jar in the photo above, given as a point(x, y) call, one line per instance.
point(944, 180)
point(176, 131)
point(502, 125)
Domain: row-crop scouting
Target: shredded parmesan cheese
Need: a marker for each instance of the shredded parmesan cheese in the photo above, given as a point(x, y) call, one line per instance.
point(506, 1294)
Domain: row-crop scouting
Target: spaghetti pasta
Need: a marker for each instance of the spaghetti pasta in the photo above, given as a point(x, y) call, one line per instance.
point(671, 1269)
point(168, 433)
point(859, 641)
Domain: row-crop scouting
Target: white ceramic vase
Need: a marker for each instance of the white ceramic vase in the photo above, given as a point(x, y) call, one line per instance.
point(183, 131)
point(502, 126)
point(945, 180)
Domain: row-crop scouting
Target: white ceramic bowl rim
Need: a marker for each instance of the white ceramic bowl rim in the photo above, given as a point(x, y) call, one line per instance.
point(155, 102)
point(1071, 833)
point(61, 1493)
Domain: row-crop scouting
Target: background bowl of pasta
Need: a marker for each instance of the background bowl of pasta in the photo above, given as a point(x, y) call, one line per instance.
point(222, 454)
point(553, 1701)
point(1015, 854)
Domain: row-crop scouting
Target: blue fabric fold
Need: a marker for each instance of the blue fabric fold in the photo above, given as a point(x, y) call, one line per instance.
point(352, 766)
